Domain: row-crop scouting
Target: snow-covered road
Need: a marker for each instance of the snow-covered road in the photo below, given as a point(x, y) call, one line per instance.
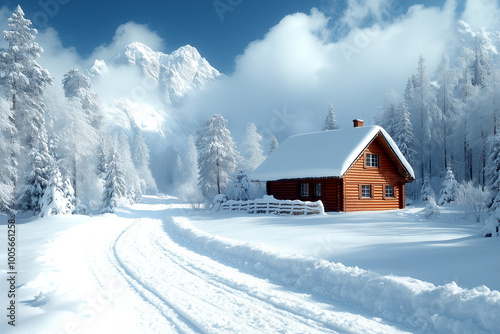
point(122, 273)
point(147, 269)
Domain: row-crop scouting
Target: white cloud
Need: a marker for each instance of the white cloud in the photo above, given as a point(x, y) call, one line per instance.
point(297, 68)
point(285, 81)
point(482, 14)
point(125, 34)
point(358, 11)
point(56, 58)
point(119, 82)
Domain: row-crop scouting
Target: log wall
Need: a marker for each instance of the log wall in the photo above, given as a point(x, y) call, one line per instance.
point(378, 177)
point(331, 191)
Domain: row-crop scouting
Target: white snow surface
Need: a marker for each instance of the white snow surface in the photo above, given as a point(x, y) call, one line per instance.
point(150, 269)
point(321, 154)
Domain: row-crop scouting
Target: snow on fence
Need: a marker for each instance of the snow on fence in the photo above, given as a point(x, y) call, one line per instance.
point(269, 205)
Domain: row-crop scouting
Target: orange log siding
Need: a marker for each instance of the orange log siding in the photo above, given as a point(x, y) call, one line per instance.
point(386, 174)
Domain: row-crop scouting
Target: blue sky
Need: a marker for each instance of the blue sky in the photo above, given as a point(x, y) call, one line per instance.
point(284, 60)
point(220, 35)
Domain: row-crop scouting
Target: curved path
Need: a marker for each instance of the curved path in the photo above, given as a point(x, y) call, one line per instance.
point(141, 281)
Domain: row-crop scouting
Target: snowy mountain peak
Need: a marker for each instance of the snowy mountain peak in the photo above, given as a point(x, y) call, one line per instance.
point(98, 69)
point(186, 52)
point(178, 73)
point(135, 53)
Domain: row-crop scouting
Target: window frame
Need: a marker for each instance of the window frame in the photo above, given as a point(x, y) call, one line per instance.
point(370, 159)
point(304, 190)
point(361, 191)
point(386, 187)
point(315, 190)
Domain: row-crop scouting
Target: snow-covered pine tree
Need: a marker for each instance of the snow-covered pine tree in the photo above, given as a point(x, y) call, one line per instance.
point(409, 90)
point(82, 126)
point(450, 188)
point(191, 161)
point(189, 190)
point(103, 155)
point(38, 177)
point(387, 119)
point(463, 91)
point(493, 173)
point(251, 152)
point(217, 156)
point(446, 103)
point(8, 159)
point(403, 132)
point(178, 173)
point(115, 189)
point(140, 157)
point(425, 114)
point(330, 121)
point(132, 180)
point(481, 65)
point(241, 187)
point(427, 190)
point(24, 79)
point(58, 198)
point(273, 144)
point(78, 86)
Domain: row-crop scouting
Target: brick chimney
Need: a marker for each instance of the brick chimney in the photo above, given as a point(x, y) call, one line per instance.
point(358, 123)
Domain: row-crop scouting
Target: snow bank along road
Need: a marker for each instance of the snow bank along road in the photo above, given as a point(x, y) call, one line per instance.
point(123, 273)
point(146, 270)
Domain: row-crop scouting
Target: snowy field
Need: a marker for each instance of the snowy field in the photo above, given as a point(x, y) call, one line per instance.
point(162, 267)
point(402, 242)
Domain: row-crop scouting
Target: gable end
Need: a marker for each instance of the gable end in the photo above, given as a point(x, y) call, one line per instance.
point(390, 152)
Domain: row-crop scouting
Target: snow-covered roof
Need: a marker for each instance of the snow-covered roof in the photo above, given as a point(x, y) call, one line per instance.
point(322, 154)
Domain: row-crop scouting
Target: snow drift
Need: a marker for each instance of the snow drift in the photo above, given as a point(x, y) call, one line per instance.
point(405, 300)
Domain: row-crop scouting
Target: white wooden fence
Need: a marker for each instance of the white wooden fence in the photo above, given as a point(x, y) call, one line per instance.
point(270, 205)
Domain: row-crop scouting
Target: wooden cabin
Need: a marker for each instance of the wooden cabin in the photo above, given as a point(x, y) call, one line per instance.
point(356, 169)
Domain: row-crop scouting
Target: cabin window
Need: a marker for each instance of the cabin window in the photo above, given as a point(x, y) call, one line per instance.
point(317, 190)
point(389, 192)
point(366, 191)
point(304, 189)
point(371, 160)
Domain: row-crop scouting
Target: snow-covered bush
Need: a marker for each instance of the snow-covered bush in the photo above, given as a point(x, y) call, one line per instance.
point(217, 202)
point(491, 226)
point(450, 188)
point(431, 209)
point(427, 190)
point(59, 197)
point(240, 191)
point(472, 199)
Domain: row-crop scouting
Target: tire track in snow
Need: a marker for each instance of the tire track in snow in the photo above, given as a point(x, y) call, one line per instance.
point(181, 321)
point(104, 271)
point(217, 310)
point(277, 310)
point(290, 305)
point(246, 291)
